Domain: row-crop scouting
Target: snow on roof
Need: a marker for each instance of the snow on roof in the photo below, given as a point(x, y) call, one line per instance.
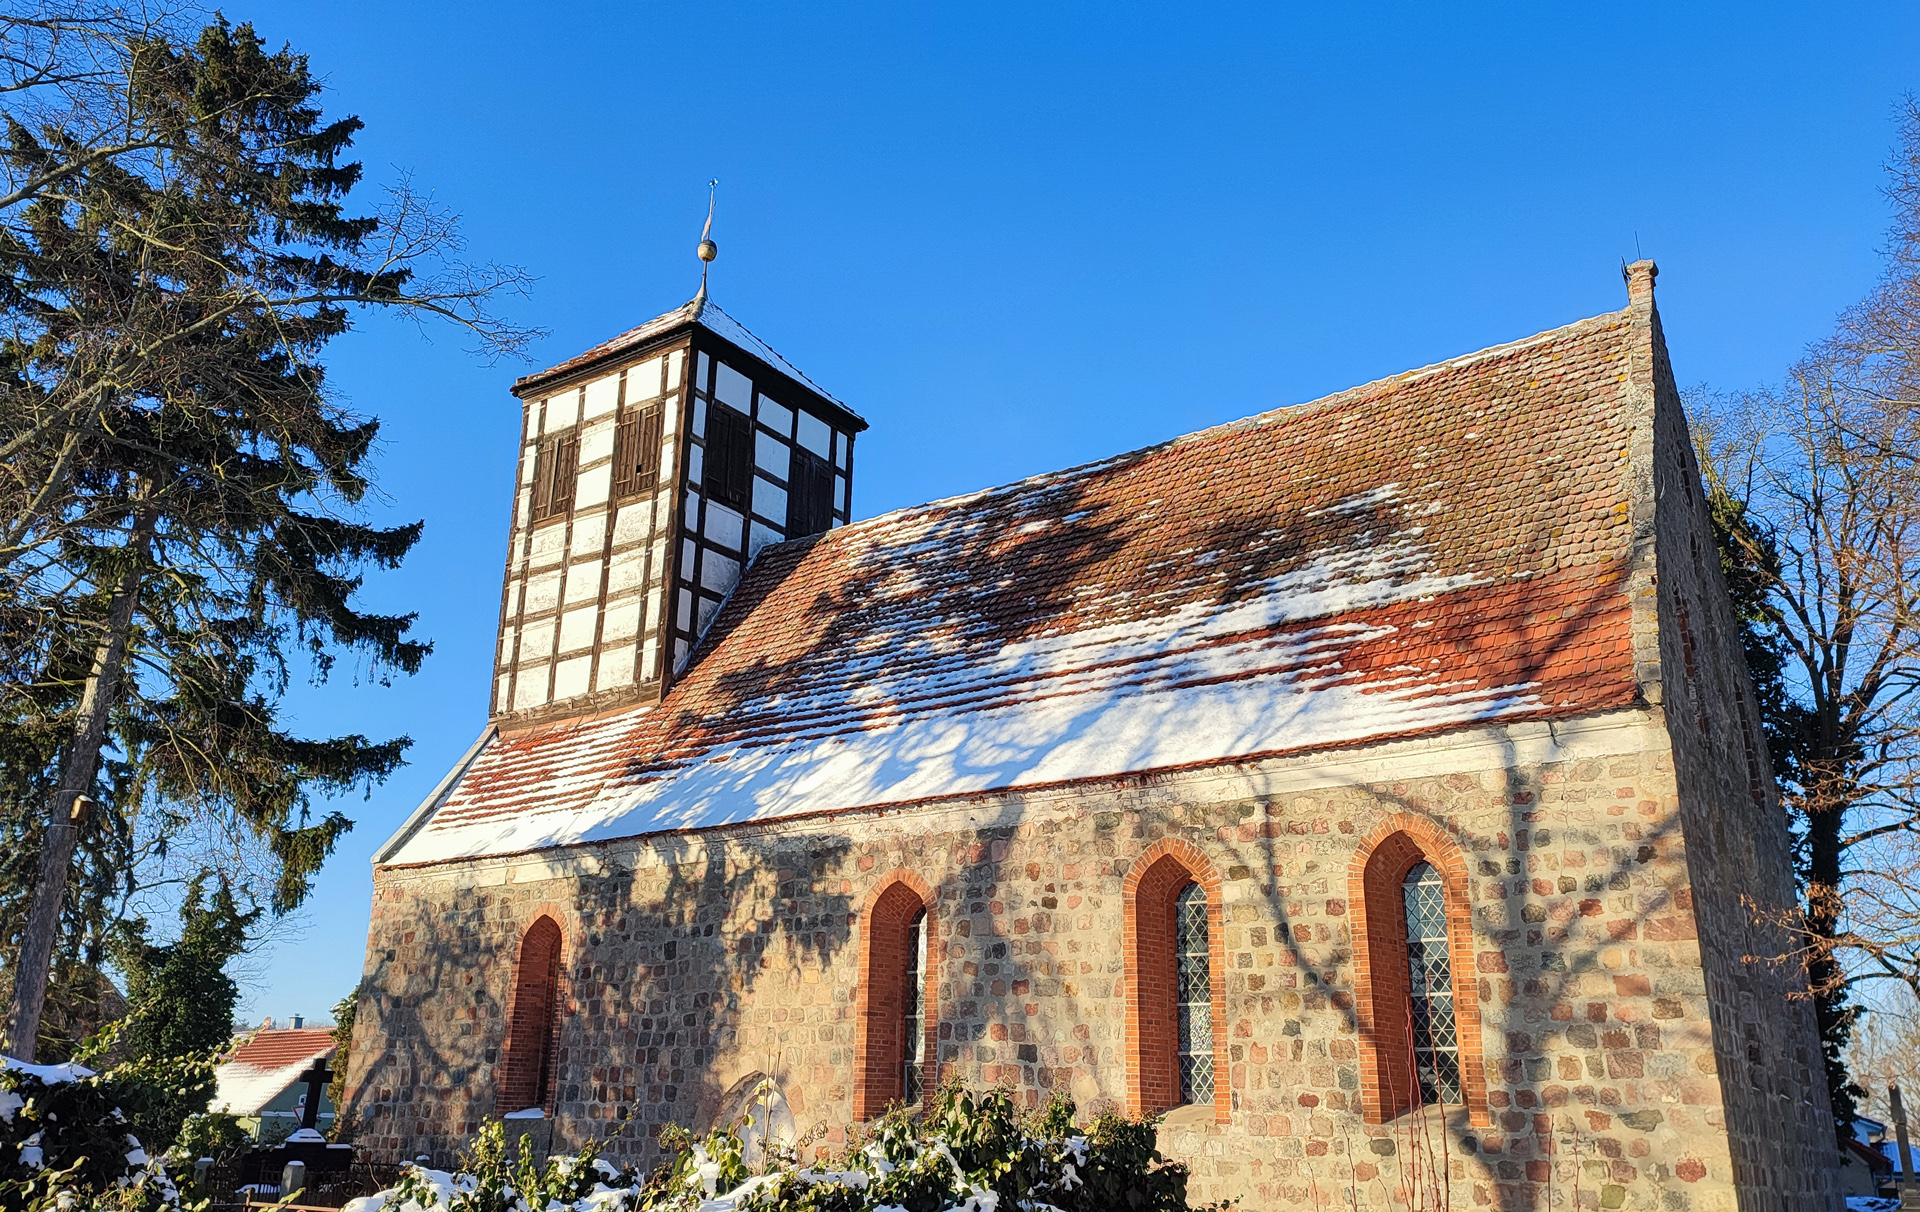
point(265, 1066)
point(703, 312)
point(1436, 550)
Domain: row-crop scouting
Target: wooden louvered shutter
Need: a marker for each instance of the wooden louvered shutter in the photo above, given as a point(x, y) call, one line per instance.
point(636, 451)
point(809, 494)
point(729, 459)
point(556, 466)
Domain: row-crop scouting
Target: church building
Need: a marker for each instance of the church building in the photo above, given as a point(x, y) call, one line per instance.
point(1372, 787)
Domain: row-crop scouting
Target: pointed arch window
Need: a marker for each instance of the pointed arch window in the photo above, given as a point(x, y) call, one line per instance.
point(1193, 988)
point(1414, 974)
point(527, 1067)
point(1436, 1036)
point(913, 1042)
point(1175, 993)
point(899, 955)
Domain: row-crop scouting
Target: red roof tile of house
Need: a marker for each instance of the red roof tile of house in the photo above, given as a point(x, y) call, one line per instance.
point(266, 1065)
point(1440, 549)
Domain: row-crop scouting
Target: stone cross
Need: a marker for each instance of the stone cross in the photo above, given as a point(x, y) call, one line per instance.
point(317, 1076)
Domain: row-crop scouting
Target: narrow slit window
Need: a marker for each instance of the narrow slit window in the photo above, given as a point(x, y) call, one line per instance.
point(1193, 991)
point(1436, 1039)
point(913, 1035)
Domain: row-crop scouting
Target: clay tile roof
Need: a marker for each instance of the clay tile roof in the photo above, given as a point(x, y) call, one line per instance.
point(703, 312)
point(266, 1065)
point(1435, 550)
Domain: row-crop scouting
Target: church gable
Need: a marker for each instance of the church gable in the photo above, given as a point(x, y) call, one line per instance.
point(1439, 549)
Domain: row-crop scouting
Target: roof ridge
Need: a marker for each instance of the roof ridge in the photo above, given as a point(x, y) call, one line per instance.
point(1286, 412)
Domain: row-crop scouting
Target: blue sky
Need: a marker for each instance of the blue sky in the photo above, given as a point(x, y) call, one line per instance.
point(1017, 238)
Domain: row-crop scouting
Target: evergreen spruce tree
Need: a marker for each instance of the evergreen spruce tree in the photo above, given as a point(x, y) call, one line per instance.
point(179, 495)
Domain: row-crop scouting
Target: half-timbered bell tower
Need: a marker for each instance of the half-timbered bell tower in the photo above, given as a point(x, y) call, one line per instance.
point(653, 467)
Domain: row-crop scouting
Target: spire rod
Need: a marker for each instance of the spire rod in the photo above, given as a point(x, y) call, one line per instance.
point(708, 250)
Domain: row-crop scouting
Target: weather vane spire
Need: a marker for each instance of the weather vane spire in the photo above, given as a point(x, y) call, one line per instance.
point(708, 250)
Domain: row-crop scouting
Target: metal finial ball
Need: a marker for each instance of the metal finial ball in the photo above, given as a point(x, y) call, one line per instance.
point(708, 250)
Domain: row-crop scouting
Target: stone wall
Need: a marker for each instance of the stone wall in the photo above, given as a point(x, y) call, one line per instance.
point(691, 960)
point(1738, 847)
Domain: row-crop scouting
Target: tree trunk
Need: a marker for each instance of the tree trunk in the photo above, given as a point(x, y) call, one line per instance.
point(77, 774)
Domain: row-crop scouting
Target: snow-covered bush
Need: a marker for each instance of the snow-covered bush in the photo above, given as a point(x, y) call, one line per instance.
point(968, 1152)
point(67, 1140)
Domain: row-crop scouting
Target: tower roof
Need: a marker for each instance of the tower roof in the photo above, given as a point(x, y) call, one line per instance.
point(698, 312)
point(1445, 548)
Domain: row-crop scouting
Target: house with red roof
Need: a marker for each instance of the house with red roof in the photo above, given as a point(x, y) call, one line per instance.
point(1371, 788)
point(262, 1082)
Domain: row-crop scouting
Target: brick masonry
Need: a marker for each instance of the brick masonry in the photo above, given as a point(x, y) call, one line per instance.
point(1622, 1051)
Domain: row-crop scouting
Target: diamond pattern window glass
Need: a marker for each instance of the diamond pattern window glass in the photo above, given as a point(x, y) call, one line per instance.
point(1436, 1043)
point(913, 1036)
point(1193, 994)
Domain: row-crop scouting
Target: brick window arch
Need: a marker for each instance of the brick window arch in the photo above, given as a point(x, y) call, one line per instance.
point(1411, 986)
point(895, 1003)
point(1176, 995)
point(526, 1078)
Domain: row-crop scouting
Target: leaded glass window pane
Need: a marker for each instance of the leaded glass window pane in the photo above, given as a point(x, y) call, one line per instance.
point(1436, 1042)
point(1193, 994)
point(913, 1036)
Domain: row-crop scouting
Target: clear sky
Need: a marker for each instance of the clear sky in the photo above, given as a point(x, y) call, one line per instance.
point(1017, 238)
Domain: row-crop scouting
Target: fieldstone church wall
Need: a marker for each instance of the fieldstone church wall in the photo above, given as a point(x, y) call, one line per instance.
point(692, 960)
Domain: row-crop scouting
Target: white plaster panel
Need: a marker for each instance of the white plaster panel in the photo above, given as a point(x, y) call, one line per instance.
point(769, 500)
point(594, 486)
point(625, 571)
point(680, 651)
point(772, 456)
point(839, 492)
point(562, 411)
point(723, 525)
point(669, 417)
point(643, 381)
point(708, 608)
point(814, 435)
point(583, 582)
point(527, 455)
point(622, 621)
point(685, 610)
point(506, 645)
point(589, 533)
point(521, 505)
point(700, 372)
point(690, 512)
point(570, 677)
point(777, 417)
point(700, 419)
point(718, 573)
point(653, 606)
point(543, 592)
point(536, 642)
point(549, 544)
point(842, 447)
point(500, 693)
point(650, 660)
point(576, 628)
point(696, 465)
point(634, 521)
point(531, 689)
point(603, 395)
point(686, 559)
point(760, 535)
point(675, 361)
point(616, 669)
point(596, 441)
point(732, 387)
